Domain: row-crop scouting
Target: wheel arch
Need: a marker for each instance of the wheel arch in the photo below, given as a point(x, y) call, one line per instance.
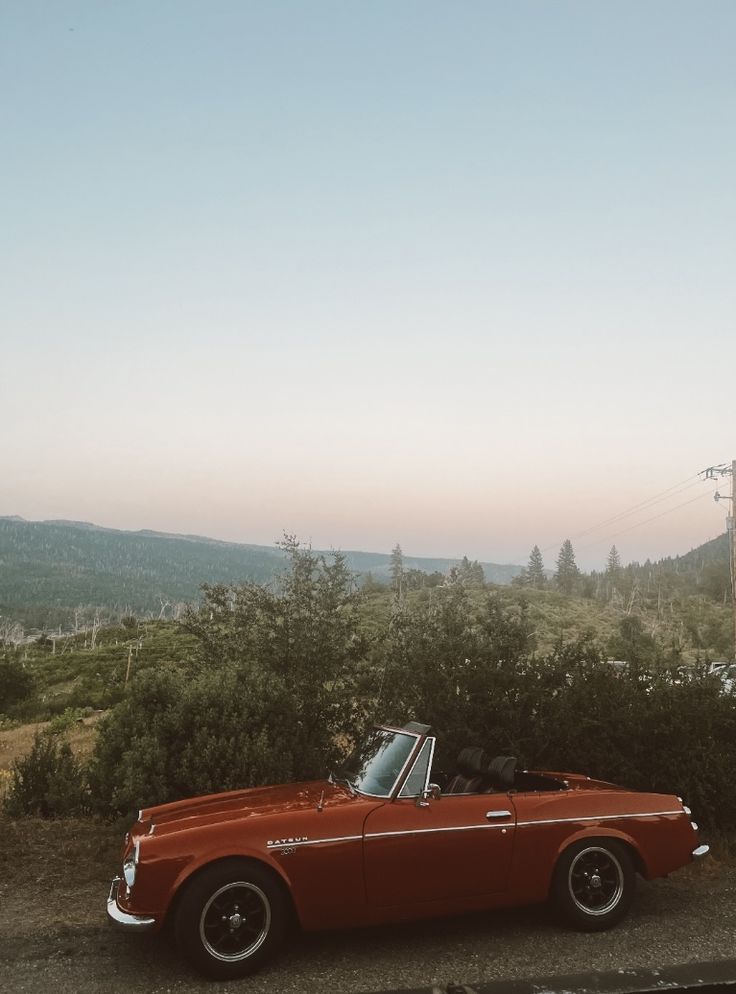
point(194, 870)
point(603, 834)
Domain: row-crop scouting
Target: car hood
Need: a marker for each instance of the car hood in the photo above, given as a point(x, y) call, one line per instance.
point(237, 805)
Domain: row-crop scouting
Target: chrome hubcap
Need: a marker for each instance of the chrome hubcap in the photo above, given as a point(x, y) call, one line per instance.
point(235, 921)
point(595, 881)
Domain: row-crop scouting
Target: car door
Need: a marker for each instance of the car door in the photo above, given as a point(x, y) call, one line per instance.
point(425, 849)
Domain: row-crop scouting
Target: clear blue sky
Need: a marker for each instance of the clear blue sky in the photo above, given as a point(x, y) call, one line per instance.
point(459, 275)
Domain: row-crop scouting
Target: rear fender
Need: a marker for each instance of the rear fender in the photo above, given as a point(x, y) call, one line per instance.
point(641, 864)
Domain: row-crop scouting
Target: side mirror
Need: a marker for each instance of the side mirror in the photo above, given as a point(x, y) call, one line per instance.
point(432, 792)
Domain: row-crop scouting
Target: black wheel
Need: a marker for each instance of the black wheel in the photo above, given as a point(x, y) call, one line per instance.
point(231, 919)
point(594, 884)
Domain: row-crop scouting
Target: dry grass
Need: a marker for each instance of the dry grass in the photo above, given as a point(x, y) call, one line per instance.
point(17, 742)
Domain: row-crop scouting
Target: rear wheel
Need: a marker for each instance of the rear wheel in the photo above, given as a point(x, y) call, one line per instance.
point(594, 884)
point(231, 919)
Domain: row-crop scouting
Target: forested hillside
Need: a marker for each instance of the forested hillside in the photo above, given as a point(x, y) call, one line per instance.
point(679, 606)
point(50, 568)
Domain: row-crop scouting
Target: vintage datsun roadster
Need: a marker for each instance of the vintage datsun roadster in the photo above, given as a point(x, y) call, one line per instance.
point(382, 842)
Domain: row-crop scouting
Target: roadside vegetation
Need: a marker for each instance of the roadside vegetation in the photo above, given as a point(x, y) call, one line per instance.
point(262, 684)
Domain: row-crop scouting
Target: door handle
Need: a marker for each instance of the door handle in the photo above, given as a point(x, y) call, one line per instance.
point(497, 814)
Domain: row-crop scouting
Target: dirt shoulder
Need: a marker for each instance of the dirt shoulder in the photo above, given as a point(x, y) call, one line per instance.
point(53, 931)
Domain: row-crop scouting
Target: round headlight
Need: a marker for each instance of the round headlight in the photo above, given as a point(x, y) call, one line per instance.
point(130, 864)
point(129, 872)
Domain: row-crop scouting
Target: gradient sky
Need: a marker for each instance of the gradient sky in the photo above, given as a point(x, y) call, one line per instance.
point(459, 275)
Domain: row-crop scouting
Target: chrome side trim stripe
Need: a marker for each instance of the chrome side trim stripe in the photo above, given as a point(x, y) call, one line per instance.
point(312, 842)
point(469, 828)
point(428, 831)
point(560, 821)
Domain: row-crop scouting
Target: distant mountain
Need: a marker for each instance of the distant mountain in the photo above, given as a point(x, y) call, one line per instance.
point(49, 568)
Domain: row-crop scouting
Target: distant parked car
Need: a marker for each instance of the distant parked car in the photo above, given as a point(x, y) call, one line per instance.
point(718, 666)
point(381, 842)
point(728, 677)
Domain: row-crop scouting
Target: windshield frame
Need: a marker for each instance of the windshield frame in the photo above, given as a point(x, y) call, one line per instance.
point(432, 740)
point(410, 759)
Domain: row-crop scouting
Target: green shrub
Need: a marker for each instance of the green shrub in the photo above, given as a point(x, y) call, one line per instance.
point(16, 683)
point(469, 670)
point(180, 735)
point(48, 782)
point(65, 721)
point(267, 698)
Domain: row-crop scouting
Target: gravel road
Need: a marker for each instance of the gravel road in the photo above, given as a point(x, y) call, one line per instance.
point(43, 947)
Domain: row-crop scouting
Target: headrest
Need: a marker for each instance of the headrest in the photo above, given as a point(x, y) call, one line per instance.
point(472, 761)
point(500, 771)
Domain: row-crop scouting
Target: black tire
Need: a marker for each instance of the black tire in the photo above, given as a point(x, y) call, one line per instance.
point(594, 883)
point(231, 918)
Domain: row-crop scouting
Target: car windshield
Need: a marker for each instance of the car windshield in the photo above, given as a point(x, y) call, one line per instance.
point(375, 765)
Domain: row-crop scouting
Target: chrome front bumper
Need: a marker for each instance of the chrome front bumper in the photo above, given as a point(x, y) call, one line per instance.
point(136, 923)
point(701, 851)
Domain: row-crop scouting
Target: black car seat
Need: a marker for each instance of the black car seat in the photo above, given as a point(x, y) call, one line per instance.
point(471, 766)
point(499, 774)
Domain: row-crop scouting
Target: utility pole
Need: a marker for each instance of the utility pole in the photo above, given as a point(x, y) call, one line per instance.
point(712, 473)
point(130, 658)
point(732, 537)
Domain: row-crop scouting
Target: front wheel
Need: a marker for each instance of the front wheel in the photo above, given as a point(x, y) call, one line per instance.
point(594, 883)
point(231, 919)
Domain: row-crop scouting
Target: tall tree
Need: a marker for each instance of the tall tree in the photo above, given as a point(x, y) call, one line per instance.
point(396, 569)
point(567, 574)
point(613, 564)
point(470, 573)
point(535, 570)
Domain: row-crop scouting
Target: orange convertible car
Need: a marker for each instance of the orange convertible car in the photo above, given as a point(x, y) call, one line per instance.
point(382, 842)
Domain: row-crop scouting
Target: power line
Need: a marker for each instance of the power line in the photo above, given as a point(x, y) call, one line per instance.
point(647, 520)
point(642, 505)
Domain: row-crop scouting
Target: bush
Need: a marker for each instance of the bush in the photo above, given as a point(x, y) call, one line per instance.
point(65, 721)
point(180, 735)
point(16, 683)
point(267, 698)
point(48, 782)
point(469, 670)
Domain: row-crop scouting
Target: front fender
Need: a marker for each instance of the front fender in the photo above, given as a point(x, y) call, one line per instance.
point(161, 876)
point(216, 855)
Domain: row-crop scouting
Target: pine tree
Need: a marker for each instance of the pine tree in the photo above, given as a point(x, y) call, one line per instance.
point(613, 563)
point(477, 576)
point(463, 570)
point(470, 574)
point(567, 574)
point(396, 569)
point(535, 570)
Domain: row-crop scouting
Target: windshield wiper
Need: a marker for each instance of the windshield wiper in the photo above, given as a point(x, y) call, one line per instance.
point(343, 780)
